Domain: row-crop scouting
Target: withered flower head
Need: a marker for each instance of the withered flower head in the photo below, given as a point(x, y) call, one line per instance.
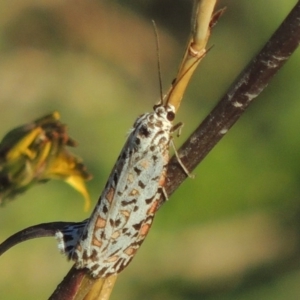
point(37, 152)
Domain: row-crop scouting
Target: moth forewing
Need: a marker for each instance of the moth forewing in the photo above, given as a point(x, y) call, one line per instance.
point(125, 210)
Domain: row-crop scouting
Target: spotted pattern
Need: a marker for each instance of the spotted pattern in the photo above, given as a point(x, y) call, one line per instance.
point(109, 239)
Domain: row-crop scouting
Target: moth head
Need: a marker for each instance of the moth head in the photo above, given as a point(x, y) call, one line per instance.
point(167, 111)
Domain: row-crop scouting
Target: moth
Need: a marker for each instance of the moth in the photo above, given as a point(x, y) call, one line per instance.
point(109, 239)
point(106, 242)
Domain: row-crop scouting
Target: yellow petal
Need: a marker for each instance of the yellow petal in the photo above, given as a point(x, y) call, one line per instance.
point(21, 147)
point(79, 184)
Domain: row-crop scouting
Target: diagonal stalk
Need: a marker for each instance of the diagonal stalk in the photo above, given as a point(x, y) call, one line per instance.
point(248, 85)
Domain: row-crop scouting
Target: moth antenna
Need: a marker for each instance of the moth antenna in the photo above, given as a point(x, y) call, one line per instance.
point(158, 63)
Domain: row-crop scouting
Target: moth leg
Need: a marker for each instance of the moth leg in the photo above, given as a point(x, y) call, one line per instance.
point(162, 191)
point(178, 127)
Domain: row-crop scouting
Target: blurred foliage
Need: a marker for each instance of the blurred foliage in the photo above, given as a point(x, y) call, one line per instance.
point(95, 62)
point(36, 152)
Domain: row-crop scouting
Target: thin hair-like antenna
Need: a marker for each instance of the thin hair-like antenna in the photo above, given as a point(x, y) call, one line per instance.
point(158, 62)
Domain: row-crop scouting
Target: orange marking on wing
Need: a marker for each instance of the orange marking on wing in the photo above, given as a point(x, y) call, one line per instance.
point(110, 195)
point(134, 192)
point(100, 223)
point(166, 156)
point(144, 163)
point(112, 258)
point(130, 251)
point(162, 180)
point(97, 242)
point(144, 229)
point(130, 178)
point(153, 207)
point(125, 213)
point(115, 235)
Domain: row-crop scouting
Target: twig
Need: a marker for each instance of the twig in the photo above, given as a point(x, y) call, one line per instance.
point(75, 285)
point(102, 289)
point(249, 84)
point(195, 50)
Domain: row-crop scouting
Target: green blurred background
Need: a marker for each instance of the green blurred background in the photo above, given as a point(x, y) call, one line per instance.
point(231, 233)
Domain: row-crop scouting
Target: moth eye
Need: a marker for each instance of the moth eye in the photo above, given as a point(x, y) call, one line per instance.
point(170, 115)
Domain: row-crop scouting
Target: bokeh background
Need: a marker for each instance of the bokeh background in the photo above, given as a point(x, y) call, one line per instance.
point(230, 234)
